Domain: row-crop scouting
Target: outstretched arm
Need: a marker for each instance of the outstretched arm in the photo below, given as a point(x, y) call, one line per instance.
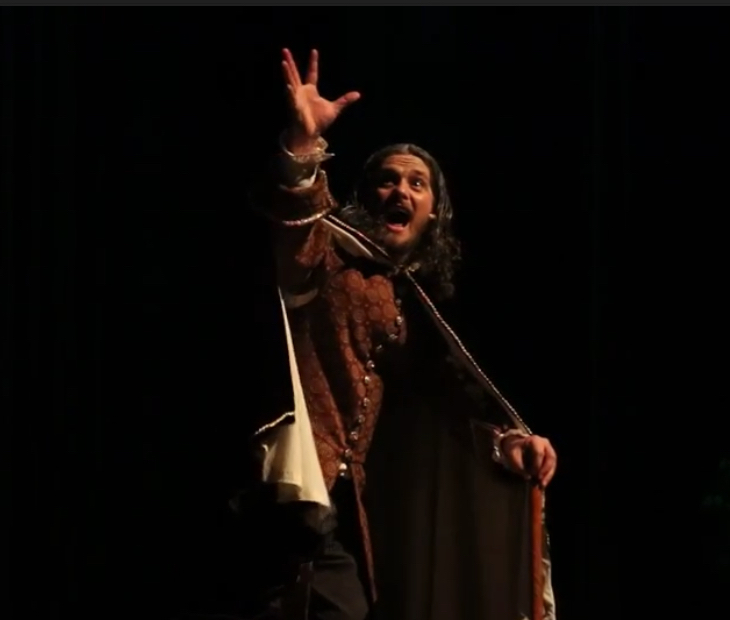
point(300, 196)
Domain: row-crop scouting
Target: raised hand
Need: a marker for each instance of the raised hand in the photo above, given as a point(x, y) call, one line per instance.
point(311, 113)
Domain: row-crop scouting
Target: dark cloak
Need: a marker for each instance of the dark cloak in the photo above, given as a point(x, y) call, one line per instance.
point(449, 527)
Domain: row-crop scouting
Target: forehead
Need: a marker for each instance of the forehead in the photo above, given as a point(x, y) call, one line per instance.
point(406, 164)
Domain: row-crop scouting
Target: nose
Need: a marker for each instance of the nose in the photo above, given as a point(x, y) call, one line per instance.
point(402, 188)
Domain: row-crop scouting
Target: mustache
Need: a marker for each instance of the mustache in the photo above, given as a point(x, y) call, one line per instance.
point(362, 219)
point(373, 226)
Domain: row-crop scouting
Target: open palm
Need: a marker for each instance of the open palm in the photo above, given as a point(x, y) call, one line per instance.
point(312, 113)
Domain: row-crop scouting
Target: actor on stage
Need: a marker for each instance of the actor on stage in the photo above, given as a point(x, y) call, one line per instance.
point(426, 474)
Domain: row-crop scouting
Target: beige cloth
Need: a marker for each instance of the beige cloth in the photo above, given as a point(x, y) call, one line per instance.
point(290, 458)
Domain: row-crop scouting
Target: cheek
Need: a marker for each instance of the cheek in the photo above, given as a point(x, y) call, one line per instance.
point(424, 207)
point(381, 195)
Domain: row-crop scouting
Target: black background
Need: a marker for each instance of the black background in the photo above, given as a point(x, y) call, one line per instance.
point(585, 149)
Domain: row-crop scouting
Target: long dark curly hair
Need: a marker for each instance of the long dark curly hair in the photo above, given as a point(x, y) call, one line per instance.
point(437, 252)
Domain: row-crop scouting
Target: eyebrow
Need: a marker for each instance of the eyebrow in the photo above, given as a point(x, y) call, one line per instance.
point(397, 169)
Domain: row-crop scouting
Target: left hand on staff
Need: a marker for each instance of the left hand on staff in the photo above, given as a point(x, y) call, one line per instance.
point(532, 456)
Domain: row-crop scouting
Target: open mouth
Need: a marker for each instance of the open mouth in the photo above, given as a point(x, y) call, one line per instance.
point(397, 218)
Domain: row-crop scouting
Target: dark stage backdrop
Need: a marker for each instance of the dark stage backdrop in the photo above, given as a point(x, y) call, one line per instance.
point(584, 150)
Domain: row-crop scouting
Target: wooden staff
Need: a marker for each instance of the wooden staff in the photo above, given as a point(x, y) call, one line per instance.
point(536, 527)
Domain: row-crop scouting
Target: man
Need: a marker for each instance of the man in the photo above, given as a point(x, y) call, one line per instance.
point(420, 524)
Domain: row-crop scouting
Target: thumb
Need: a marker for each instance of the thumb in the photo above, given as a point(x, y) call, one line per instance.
point(346, 100)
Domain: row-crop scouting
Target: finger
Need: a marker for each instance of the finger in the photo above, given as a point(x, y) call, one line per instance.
point(291, 95)
point(288, 76)
point(516, 460)
point(313, 72)
point(537, 458)
point(291, 67)
point(549, 466)
point(346, 100)
point(292, 70)
point(547, 462)
point(548, 477)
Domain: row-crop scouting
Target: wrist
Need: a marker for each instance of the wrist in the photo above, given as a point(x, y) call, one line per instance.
point(298, 143)
point(304, 152)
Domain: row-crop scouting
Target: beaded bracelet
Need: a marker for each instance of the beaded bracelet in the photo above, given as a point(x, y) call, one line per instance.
point(315, 157)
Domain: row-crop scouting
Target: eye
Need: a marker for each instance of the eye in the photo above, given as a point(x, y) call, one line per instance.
point(387, 179)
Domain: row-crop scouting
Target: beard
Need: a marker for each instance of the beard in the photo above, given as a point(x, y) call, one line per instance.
point(374, 228)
